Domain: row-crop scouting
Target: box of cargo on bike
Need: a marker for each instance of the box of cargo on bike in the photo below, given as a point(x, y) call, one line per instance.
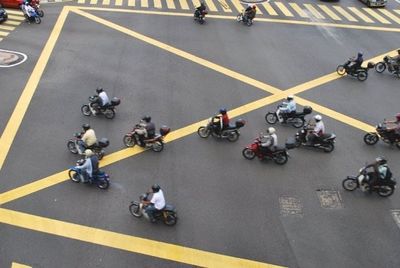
point(104, 142)
point(164, 130)
point(115, 101)
point(307, 109)
point(240, 123)
point(290, 143)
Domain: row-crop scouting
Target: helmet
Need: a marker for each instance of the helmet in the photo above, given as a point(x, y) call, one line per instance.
point(271, 130)
point(318, 117)
point(155, 188)
point(290, 97)
point(146, 118)
point(398, 51)
point(398, 116)
point(381, 160)
point(99, 90)
point(85, 127)
point(222, 111)
point(359, 54)
point(254, 7)
point(88, 153)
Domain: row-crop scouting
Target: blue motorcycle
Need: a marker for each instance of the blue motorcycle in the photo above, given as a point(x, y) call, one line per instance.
point(101, 179)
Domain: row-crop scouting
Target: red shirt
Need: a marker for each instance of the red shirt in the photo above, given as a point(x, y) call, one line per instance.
point(225, 120)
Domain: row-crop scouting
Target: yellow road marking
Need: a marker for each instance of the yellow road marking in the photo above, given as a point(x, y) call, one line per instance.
point(284, 9)
point(329, 12)
point(196, 3)
point(18, 265)
point(157, 4)
point(10, 22)
point(15, 120)
point(118, 2)
point(239, 7)
point(210, 5)
point(144, 3)
point(3, 33)
point(184, 4)
point(269, 9)
point(170, 4)
point(93, 2)
point(131, 3)
point(376, 16)
point(299, 10)
point(397, 11)
point(81, 1)
point(360, 15)
point(344, 13)
point(5, 27)
point(106, 2)
point(390, 15)
point(314, 12)
point(1, 39)
point(225, 6)
point(15, 17)
point(125, 242)
point(15, 12)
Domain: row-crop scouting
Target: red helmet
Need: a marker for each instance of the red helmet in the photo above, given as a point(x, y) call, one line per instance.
point(398, 117)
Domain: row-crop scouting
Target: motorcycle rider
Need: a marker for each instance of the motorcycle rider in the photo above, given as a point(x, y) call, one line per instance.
point(88, 138)
point(380, 171)
point(356, 62)
point(222, 122)
point(157, 202)
point(200, 9)
point(250, 12)
point(394, 129)
point(100, 101)
point(286, 108)
point(146, 129)
point(88, 165)
point(317, 131)
point(396, 61)
point(269, 141)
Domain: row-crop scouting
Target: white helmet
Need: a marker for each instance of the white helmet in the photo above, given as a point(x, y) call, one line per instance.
point(88, 153)
point(318, 117)
point(290, 97)
point(271, 130)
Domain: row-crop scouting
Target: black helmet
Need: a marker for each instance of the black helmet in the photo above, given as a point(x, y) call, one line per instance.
point(398, 51)
point(146, 118)
point(99, 90)
point(155, 188)
point(222, 111)
point(85, 127)
point(381, 160)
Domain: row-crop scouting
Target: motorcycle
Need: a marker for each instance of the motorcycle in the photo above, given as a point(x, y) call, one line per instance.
point(213, 128)
point(36, 6)
point(100, 179)
point(279, 155)
point(389, 137)
point(244, 18)
point(156, 143)
point(200, 16)
point(168, 215)
point(97, 148)
point(33, 17)
point(107, 110)
point(384, 188)
point(361, 73)
point(296, 119)
point(326, 142)
point(390, 64)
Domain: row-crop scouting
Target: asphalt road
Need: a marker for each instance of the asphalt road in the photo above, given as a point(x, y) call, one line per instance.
point(226, 204)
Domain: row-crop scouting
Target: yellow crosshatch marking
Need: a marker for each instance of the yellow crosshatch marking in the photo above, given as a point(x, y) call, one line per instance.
point(123, 241)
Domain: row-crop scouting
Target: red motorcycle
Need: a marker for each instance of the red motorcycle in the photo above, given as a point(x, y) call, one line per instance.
point(36, 6)
point(279, 155)
point(155, 143)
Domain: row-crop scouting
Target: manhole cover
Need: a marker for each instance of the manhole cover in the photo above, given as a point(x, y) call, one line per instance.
point(10, 58)
point(396, 216)
point(290, 206)
point(329, 199)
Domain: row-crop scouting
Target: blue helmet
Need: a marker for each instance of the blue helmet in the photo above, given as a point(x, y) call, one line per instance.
point(222, 111)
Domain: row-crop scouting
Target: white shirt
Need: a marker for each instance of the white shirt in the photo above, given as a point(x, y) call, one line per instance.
point(319, 128)
point(269, 140)
point(158, 200)
point(104, 98)
point(87, 166)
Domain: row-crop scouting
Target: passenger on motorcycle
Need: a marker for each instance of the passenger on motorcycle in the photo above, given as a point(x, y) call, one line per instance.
point(28, 10)
point(250, 12)
point(200, 9)
point(356, 62)
point(396, 60)
point(317, 131)
point(146, 130)
point(89, 165)
point(395, 125)
point(88, 139)
point(157, 202)
point(380, 171)
point(222, 121)
point(269, 141)
point(286, 108)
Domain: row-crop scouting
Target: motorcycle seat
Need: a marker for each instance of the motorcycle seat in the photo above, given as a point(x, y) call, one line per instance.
point(152, 139)
point(231, 126)
point(168, 207)
point(327, 136)
point(279, 148)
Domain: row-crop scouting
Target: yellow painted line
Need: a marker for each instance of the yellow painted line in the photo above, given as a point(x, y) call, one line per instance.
point(118, 2)
point(15, 120)
point(184, 4)
point(125, 242)
point(81, 1)
point(196, 3)
point(360, 15)
point(131, 3)
point(1, 39)
point(106, 2)
point(14, 12)
point(298, 10)
point(283, 9)
point(225, 6)
point(259, 11)
point(376, 16)
point(3, 33)
point(329, 12)
point(210, 5)
point(15, 17)
point(397, 11)
point(314, 11)
point(344, 13)
point(5, 27)
point(144, 3)
point(170, 4)
point(157, 4)
point(93, 2)
point(390, 15)
point(11, 22)
point(269, 9)
point(18, 265)
point(239, 7)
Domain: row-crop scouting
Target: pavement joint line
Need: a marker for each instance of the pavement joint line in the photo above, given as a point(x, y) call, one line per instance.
point(126, 242)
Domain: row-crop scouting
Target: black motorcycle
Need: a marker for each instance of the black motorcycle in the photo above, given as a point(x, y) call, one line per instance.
point(242, 17)
point(361, 73)
point(384, 187)
point(296, 119)
point(107, 110)
point(200, 16)
point(213, 128)
point(390, 137)
point(100, 179)
point(326, 142)
point(97, 148)
point(390, 64)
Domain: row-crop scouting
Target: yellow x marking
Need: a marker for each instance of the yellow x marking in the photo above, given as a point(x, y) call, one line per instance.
point(122, 241)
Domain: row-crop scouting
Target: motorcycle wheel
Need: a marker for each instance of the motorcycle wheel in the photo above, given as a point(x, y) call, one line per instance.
point(341, 70)
point(100, 154)
point(281, 159)
point(170, 219)
point(74, 176)
point(298, 122)
point(103, 184)
point(129, 141)
point(271, 118)
point(233, 136)
point(38, 20)
point(329, 147)
point(362, 75)
point(203, 132)
point(385, 191)
point(249, 23)
point(398, 74)
point(40, 13)
point(248, 154)
point(135, 210)
point(398, 145)
point(158, 146)
point(86, 110)
point(109, 113)
point(349, 184)
point(380, 67)
point(72, 147)
point(371, 138)
point(201, 21)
